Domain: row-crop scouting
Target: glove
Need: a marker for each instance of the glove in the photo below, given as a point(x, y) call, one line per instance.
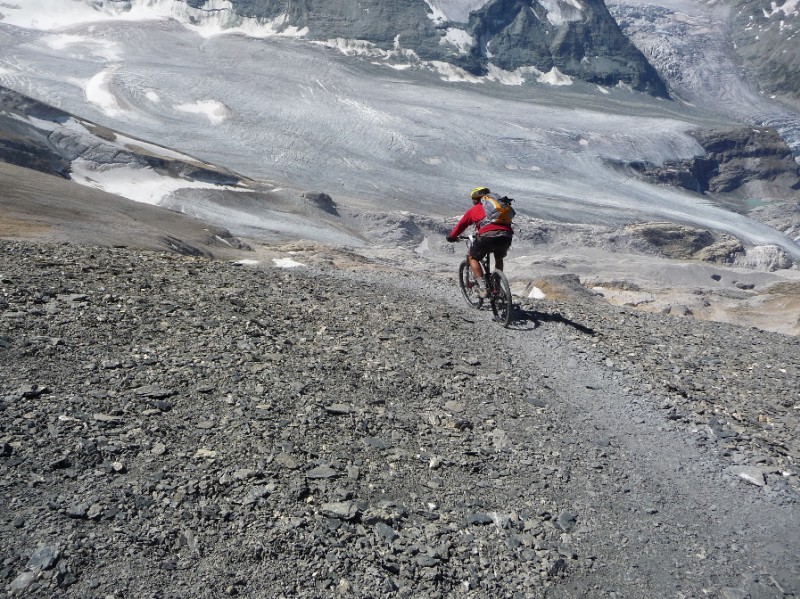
point(451, 239)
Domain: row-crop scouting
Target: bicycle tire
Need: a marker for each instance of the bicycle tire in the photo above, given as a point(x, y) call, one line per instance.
point(469, 288)
point(502, 304)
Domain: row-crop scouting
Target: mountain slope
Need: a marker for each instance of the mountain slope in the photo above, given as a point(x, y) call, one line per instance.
point(38, 206)
point(767, 39)
point(530, 38)
point(579, 39)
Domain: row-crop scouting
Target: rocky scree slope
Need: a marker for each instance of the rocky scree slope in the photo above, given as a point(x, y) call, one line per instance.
point(186, 427)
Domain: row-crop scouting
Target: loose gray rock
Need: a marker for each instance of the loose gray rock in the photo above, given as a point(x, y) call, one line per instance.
point(343, 510)
point(43, 558)
point(21, 583)
point(440, 479)
point(754, 476)
point(322, 472)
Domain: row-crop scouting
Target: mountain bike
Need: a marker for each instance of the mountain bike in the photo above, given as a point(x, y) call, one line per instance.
point(497, 287)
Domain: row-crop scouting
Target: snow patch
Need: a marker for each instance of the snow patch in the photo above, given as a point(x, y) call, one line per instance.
point(356, 47)
point(536, 293)
point(436, 15)
point(456, 10)
point(495, 73)
point(453, 73)
point(98, 91)
point(104, 49)
point(286, 263)
point(214, 111)
point(396, 67)
point(555, 77)
point(560, 12)
point(788, 8)
point(140, 184)
point(351, 47)
point(216, 17)
point(226, 22)
point(459, 39)
point(47, 15)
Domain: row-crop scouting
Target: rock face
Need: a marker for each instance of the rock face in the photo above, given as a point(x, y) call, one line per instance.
point(25, 145)
point(321, 201)
point(33, 135)
point(584, 42)
point(579, 39)
point(765, 35)
point(734, 161)
point(737, 157)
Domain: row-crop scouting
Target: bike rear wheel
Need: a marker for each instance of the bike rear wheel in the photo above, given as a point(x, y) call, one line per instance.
point(469, 286)
point(502, 305)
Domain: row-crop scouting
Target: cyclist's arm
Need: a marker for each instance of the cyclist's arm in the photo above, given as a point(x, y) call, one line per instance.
point(471, 217)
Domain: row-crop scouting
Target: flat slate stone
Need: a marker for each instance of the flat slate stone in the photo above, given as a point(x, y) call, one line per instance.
point(322, 472)
point(43, 558)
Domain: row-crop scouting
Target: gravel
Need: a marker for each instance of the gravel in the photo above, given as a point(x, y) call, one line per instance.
point(175, 426)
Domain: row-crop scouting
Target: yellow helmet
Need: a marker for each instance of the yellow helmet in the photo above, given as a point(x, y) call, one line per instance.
point(479, 192)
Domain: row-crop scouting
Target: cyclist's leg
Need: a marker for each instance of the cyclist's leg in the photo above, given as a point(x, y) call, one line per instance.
point(500, 250)
point(476, 267)
point(476, 253)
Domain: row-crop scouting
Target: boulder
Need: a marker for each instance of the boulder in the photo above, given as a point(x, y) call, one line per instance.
point(320, 200)
point(764, 257)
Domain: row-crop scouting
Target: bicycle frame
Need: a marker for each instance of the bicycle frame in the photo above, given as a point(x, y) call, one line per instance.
point(496, 285)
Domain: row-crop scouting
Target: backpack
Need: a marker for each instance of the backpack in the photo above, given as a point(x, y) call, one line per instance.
point(498, 211)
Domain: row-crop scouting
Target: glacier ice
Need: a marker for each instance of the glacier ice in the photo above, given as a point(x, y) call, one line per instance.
point(289, 112)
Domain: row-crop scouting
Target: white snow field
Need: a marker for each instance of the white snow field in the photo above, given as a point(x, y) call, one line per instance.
point(307, 116)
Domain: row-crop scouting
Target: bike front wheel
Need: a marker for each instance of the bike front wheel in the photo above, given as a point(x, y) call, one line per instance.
point(502, 305)
point(469, 286)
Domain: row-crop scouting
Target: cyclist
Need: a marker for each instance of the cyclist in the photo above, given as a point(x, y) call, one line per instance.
point(494, 231)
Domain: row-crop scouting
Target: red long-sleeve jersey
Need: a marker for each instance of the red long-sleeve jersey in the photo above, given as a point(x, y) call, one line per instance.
point(474, 216)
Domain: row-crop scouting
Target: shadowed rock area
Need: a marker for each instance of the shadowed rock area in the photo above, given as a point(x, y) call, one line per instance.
point(745, 163)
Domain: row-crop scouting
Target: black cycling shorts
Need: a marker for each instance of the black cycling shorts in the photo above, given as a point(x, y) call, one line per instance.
point(493, 242)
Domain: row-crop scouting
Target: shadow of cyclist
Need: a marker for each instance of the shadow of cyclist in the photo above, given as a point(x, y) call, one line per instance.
point(531, 319)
